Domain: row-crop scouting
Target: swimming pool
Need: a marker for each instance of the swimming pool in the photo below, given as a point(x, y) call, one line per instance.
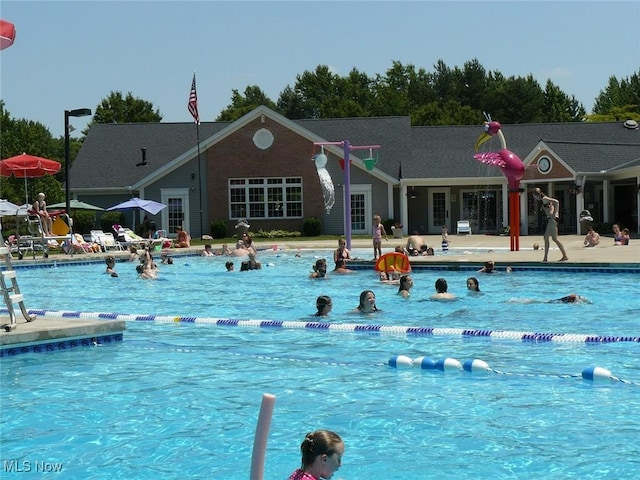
point(181, 399)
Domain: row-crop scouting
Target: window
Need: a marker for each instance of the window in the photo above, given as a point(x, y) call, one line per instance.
point(358, 212)
point(265, 197)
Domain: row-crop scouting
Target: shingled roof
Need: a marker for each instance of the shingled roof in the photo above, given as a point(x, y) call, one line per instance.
point(446, 152)
point(108, 157)
point(107, 160)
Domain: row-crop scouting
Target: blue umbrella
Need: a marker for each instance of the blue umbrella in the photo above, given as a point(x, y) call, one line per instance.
point(138, 203)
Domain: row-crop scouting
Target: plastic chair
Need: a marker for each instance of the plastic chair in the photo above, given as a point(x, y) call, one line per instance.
point(463, 227)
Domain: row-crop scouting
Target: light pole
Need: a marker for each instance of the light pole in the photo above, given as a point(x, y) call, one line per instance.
point(79, 112)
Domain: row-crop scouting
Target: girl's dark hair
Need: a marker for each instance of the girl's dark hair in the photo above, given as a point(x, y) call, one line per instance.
point(321, 302)
point(477, 283)
point(320, 442)
point(403, 283)
point(321, 264)
point(363, 295)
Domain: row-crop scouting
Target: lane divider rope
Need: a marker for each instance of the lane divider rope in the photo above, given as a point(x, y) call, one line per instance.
point(535, 337)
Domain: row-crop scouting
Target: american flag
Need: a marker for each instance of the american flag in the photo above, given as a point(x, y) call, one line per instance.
point(192, 106)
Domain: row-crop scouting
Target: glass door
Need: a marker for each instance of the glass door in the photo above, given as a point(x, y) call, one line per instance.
point(358, 213)
point(361, 209)
point(482, 209)
point(438, 210)
point(177, 212)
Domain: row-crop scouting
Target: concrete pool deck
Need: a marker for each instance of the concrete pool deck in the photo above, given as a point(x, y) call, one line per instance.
point(48, 333)
point(604, 254)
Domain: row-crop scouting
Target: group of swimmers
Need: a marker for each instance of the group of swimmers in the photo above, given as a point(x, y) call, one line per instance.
point(146, 268)
point(367, 302)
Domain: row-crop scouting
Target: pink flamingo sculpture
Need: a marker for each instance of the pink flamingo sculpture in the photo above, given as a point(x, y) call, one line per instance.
point(512, 168)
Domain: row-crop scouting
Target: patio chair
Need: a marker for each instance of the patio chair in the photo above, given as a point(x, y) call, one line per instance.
point(106, 241)
point(76, 244)
point(463, 227)
point(160, 240)
point(127, 237)
point(19, 245)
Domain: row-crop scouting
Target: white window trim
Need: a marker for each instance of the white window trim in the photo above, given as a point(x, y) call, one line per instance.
point(265, 185)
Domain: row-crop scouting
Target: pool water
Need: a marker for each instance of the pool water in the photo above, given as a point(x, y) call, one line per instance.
point(181, 400)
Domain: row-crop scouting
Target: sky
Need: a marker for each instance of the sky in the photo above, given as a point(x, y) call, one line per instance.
point(73, 54)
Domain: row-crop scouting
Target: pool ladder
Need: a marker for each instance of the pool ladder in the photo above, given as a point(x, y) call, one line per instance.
point(11, 290)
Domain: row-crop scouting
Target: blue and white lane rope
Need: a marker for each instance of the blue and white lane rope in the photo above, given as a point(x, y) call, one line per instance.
point(594, 374)
point(535, 337)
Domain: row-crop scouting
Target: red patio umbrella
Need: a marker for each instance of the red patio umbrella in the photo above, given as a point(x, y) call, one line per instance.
point(28, 166)
point(7, 34)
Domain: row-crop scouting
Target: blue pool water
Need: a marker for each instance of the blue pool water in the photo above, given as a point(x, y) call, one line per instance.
point(180, 400)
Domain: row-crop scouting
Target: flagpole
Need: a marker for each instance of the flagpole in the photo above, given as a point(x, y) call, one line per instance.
point(192, 106)
point(199, 175)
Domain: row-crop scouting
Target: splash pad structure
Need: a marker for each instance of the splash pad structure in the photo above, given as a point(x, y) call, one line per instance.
point(321, 159)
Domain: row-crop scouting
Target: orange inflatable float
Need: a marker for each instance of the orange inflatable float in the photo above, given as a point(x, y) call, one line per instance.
point(393, 262)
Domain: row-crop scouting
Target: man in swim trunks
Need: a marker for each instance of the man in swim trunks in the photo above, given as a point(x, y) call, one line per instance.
point(416, 245)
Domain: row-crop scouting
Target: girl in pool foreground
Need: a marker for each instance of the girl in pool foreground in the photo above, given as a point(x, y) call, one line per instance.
point(322, 452)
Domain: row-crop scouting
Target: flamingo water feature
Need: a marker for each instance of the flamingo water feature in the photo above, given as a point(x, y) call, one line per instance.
point(179, 396)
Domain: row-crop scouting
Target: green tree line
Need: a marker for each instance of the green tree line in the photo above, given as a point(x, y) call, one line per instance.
point(443, 96)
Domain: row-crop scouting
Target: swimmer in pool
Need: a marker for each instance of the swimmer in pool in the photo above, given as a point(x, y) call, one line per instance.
point(323, 305)
point(406, 283)
point(571, 298)
point(319, 269)
point(367, 302)
point(441, 291)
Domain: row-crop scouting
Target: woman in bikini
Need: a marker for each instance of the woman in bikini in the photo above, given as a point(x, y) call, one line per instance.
point(341, 254)
point(551, 208)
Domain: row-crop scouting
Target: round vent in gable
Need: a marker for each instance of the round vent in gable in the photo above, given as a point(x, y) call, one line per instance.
point(263, 139)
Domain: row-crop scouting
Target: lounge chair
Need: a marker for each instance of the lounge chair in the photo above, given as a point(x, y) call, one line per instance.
point(106, 240)
point(77, 244)
point(127, 237)
point(19, 245)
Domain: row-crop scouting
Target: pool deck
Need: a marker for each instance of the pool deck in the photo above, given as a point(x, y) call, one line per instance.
point(498, 249)
point(47, 333)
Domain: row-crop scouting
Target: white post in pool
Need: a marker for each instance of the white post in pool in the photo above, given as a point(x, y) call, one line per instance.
point(262, 434)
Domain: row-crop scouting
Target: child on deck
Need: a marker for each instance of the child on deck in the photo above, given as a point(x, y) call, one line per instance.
point(378, 232)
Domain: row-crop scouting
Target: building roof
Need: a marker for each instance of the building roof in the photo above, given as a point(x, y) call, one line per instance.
point(445, 152)
point(108, 157)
